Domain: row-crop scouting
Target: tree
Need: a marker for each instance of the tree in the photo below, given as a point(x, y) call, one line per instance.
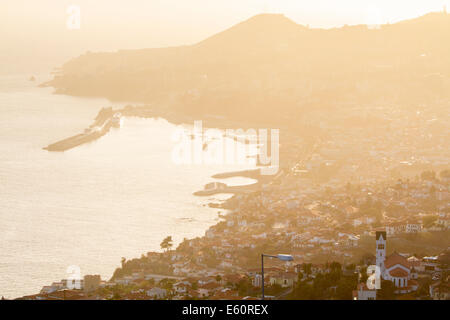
point(303, 291)
point(166, 284)
point(166, 244)
point(345, 287)
point(335, 267)
point(243, 287)
point(424, 289)
point(387, 291)
point(364, 275)
point(351, 267)
point(307, 268)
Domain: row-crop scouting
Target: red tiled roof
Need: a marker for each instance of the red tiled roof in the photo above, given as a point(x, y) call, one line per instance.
point(398, 272)
point(394, 259)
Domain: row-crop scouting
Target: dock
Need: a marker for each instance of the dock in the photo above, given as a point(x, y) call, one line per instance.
point(223, 188)
point(101, 126)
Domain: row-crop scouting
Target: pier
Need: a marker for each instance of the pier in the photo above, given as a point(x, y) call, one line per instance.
point(103, 122)
point(223, 188)
point(101, 126)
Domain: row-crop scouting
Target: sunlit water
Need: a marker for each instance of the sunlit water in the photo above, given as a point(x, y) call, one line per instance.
point(116, 197)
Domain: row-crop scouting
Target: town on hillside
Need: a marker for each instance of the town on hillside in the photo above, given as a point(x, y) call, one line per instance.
point(299, 152)
point(359, 241)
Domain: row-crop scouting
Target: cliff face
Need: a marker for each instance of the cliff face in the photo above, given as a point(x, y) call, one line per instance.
point(269, 63)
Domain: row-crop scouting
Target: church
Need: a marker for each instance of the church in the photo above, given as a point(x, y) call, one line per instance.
point(395, 267)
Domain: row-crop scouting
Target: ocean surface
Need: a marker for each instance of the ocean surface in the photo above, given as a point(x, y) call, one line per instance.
point(116, 197)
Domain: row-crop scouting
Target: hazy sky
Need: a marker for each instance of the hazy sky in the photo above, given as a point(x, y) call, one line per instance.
point(37, 28)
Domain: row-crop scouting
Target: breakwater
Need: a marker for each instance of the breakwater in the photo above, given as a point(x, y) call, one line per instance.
point(101, 126)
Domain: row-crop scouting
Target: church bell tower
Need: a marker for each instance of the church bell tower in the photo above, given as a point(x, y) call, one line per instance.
point(381, 249)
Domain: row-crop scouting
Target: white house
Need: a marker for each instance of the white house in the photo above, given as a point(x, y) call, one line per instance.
point(430, 264)
point(181, 287)
point(413, 227)
point(362, 292)
point(157, 293)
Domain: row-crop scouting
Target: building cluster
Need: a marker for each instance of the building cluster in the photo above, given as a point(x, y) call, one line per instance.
point(335, 193)
point(404, 273)
point(315, 226)
point(362, 144)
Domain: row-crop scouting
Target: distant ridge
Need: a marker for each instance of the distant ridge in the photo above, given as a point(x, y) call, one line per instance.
point(269, 63)
point(262, 27)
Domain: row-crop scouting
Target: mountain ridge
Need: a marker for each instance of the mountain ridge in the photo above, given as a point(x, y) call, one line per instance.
point(269, 62)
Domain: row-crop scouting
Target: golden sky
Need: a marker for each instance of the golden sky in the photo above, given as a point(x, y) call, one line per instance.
point(182, 14)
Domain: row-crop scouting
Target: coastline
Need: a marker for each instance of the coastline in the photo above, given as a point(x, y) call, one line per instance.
point(214, 231)
point(103, 123)
point(254, 174)
point(146, 112)
point(132, 112)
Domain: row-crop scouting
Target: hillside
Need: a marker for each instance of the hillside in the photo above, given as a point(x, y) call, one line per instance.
point(269, 63)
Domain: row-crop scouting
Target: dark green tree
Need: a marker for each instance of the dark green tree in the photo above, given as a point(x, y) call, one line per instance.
point(167, 243)
point(387, 291)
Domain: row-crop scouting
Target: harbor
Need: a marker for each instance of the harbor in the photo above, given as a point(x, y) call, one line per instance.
point(105, 120)
point(219, 187)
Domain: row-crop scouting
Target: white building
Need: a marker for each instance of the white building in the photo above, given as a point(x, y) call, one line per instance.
point(395, 268)
point(157, 293)
point(364, 293)
point(413, 227)
point(381, 238)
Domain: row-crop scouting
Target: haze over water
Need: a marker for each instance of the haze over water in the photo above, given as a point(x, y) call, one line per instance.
point(116, 197)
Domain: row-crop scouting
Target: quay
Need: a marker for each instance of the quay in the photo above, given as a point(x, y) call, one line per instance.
point(101, 126)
